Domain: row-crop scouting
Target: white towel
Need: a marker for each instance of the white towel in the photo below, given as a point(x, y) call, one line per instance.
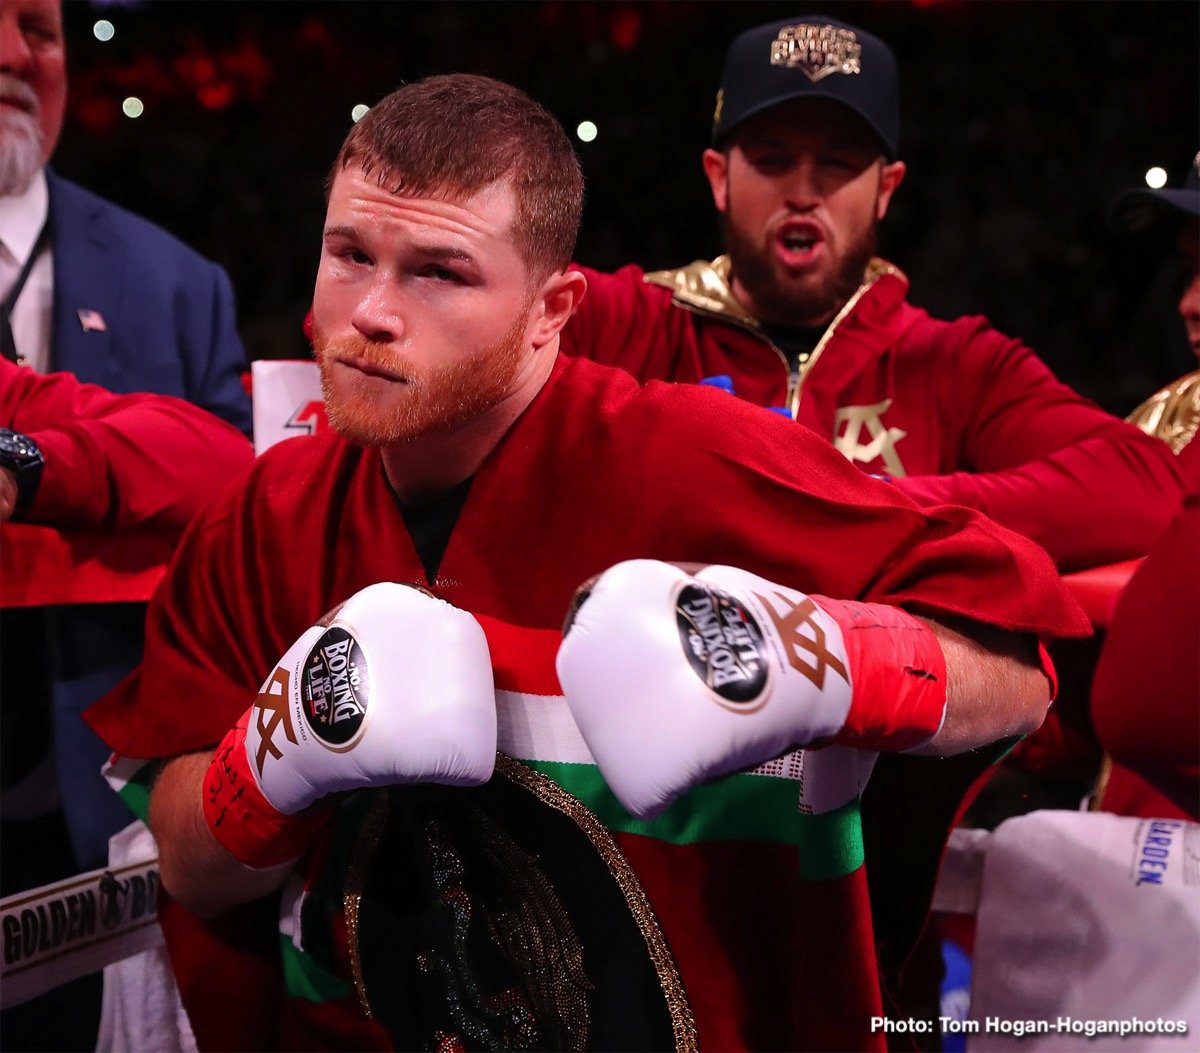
point(141, 1010)
point(1086, 918)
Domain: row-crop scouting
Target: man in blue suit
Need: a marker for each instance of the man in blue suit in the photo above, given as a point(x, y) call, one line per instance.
point(92, 289)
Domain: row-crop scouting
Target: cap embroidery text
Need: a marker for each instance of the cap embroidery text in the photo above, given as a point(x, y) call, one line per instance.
point(817, 50)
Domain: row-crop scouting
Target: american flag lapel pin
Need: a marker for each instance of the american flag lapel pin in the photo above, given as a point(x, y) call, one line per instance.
point(91, 321)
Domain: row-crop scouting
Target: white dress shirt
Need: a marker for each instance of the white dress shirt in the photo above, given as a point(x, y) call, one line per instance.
point(21, 219)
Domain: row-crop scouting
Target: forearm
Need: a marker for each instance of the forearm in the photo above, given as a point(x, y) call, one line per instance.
point(151, 462)
point(996, 687)
point(722, 670)
point(118, 461)
point(195, 868)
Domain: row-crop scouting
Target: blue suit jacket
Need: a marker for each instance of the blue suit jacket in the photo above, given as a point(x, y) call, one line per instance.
point(168, 327)
point(169, 324)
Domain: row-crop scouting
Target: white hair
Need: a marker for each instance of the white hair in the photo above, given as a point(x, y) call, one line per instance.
point(21, 145)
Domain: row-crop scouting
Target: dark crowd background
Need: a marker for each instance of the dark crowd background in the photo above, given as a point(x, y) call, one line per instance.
point(1021, 123)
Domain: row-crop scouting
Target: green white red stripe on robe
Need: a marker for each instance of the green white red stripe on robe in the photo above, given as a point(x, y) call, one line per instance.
point(806, 798)
point(130, 777)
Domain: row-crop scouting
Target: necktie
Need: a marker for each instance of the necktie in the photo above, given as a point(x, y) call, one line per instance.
point(8, 346)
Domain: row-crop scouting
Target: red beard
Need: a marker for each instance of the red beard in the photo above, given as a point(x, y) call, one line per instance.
point(371, 411)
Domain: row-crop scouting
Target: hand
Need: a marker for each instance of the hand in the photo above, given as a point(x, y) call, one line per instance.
point(676, 678)
point(396, 688)
point(8, 494)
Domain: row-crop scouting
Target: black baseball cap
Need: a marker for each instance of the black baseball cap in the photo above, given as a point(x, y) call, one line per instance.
point(1146, 211)
point(810, 57)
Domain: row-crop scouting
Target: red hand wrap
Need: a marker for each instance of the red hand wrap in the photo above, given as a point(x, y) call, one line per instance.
point(242, 819)
point(898, 673)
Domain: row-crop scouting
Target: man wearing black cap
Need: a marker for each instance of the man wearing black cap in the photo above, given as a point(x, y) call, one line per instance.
point(801, 316)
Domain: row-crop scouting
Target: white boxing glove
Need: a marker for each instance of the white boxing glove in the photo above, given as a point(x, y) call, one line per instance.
point(397, 688)
point(675, 679)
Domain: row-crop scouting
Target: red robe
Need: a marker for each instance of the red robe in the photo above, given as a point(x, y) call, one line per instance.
point(597, 470)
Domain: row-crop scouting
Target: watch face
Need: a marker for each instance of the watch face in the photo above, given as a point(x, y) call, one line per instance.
point(18, 447)
point(20, 455)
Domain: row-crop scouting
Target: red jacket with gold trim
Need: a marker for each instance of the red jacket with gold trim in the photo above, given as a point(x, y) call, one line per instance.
point(954, 412)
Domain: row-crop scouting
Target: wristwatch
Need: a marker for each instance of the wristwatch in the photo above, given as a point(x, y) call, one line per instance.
point(21, 456)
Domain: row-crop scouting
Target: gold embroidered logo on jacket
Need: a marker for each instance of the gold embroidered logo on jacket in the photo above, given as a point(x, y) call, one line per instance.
point(848, 425)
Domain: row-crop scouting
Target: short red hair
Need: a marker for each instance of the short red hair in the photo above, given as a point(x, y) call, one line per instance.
point(457, 134)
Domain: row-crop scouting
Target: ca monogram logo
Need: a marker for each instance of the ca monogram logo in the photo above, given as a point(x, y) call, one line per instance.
point(790, 624)
point(271, 709)
point(848, 424)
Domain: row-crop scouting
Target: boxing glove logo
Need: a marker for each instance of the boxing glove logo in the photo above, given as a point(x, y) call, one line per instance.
point(335, 688)
point(724, 646)
point(800, 630)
